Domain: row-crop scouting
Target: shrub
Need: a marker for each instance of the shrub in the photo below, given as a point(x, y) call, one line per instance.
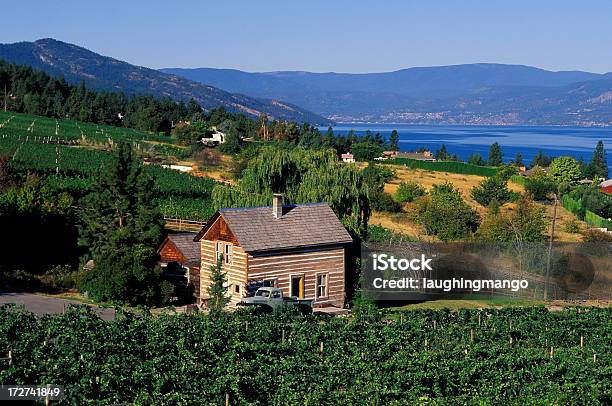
point(379, 234)
point(540, 188)
point(571, 226)
point(382, 201)
point(125, 275)
point(375, 176)
point(408, 191)
point(592, 235)
point(526, 224)
point(491, 188)
point(528, 221)
point(506, 171)
point(445, 214)
point(61, 277)
point(495, 227)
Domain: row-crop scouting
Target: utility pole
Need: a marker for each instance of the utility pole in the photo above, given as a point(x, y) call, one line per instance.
point(5, 97)
point(550, 244)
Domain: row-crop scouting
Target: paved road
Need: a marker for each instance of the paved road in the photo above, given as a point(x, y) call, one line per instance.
point(40, 304)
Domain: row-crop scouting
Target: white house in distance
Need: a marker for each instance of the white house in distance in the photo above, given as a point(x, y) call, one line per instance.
point(216, 138)
point(348, 157)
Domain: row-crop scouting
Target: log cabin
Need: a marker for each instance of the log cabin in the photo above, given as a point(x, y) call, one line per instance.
point(180, 259)
point(298, 248)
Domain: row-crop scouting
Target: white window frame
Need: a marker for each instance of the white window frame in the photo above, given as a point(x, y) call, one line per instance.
point(228, 254)
point(218, 249)
point(325, 286)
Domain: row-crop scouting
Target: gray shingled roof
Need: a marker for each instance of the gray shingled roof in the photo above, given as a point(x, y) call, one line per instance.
point(303, 225)
point(184, 242)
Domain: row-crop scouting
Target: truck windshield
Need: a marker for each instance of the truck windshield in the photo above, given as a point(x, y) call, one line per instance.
point(263, 293)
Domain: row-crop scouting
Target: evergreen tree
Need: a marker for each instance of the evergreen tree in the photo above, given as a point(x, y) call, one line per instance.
point(598, 167)
point(541, 160)
point(492, 188)
point(583, 167)
point(120, 209)
point(328, 138)
point(217, 290)
point(442, 153)
point(476, 159)
point(121, 227)
point(495, 155)
point(518, 160)
point(310, 137)
point(393, 141)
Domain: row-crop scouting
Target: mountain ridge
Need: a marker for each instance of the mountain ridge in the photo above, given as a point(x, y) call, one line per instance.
point(452, 94)
point(76, 64)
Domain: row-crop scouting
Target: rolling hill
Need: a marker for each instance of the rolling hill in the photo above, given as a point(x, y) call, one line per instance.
point(458, 94)
point(77, 64)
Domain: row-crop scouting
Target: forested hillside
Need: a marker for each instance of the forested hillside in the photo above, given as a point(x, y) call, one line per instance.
point(100, 72)
point(31, 91)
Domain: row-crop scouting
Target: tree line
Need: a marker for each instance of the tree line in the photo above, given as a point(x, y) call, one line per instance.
point(31, 91)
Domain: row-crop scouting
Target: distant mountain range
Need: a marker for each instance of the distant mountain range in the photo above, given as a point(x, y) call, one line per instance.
point(77, 64)
point(460, 94)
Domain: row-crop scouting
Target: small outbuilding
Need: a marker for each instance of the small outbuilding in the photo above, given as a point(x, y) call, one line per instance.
point(180, 261)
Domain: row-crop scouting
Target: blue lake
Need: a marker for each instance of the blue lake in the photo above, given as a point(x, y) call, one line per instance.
point(466, 140)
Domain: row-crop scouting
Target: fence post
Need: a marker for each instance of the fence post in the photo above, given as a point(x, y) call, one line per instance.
point(550, 244)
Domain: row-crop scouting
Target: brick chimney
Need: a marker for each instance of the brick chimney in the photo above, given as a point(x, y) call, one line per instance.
point(277, 205)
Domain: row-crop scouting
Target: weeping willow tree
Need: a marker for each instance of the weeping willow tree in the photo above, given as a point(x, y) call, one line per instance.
point(302, 176)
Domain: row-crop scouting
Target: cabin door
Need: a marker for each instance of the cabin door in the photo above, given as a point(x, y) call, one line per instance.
point(297, 286)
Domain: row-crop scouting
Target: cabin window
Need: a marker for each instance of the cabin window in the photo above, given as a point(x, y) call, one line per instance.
point(237, 288)
point(218, 250)
point(322, 285)
point(228, 254)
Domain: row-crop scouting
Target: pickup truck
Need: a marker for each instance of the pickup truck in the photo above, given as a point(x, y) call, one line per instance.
point(271, 299)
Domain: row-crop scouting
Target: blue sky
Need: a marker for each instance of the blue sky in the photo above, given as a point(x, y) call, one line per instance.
point(321, 36)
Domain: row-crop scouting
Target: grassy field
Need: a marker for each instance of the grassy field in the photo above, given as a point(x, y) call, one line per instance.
point(465, 183)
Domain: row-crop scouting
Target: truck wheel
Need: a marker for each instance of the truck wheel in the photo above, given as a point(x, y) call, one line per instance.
point(304, 309)
point(263, 309)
